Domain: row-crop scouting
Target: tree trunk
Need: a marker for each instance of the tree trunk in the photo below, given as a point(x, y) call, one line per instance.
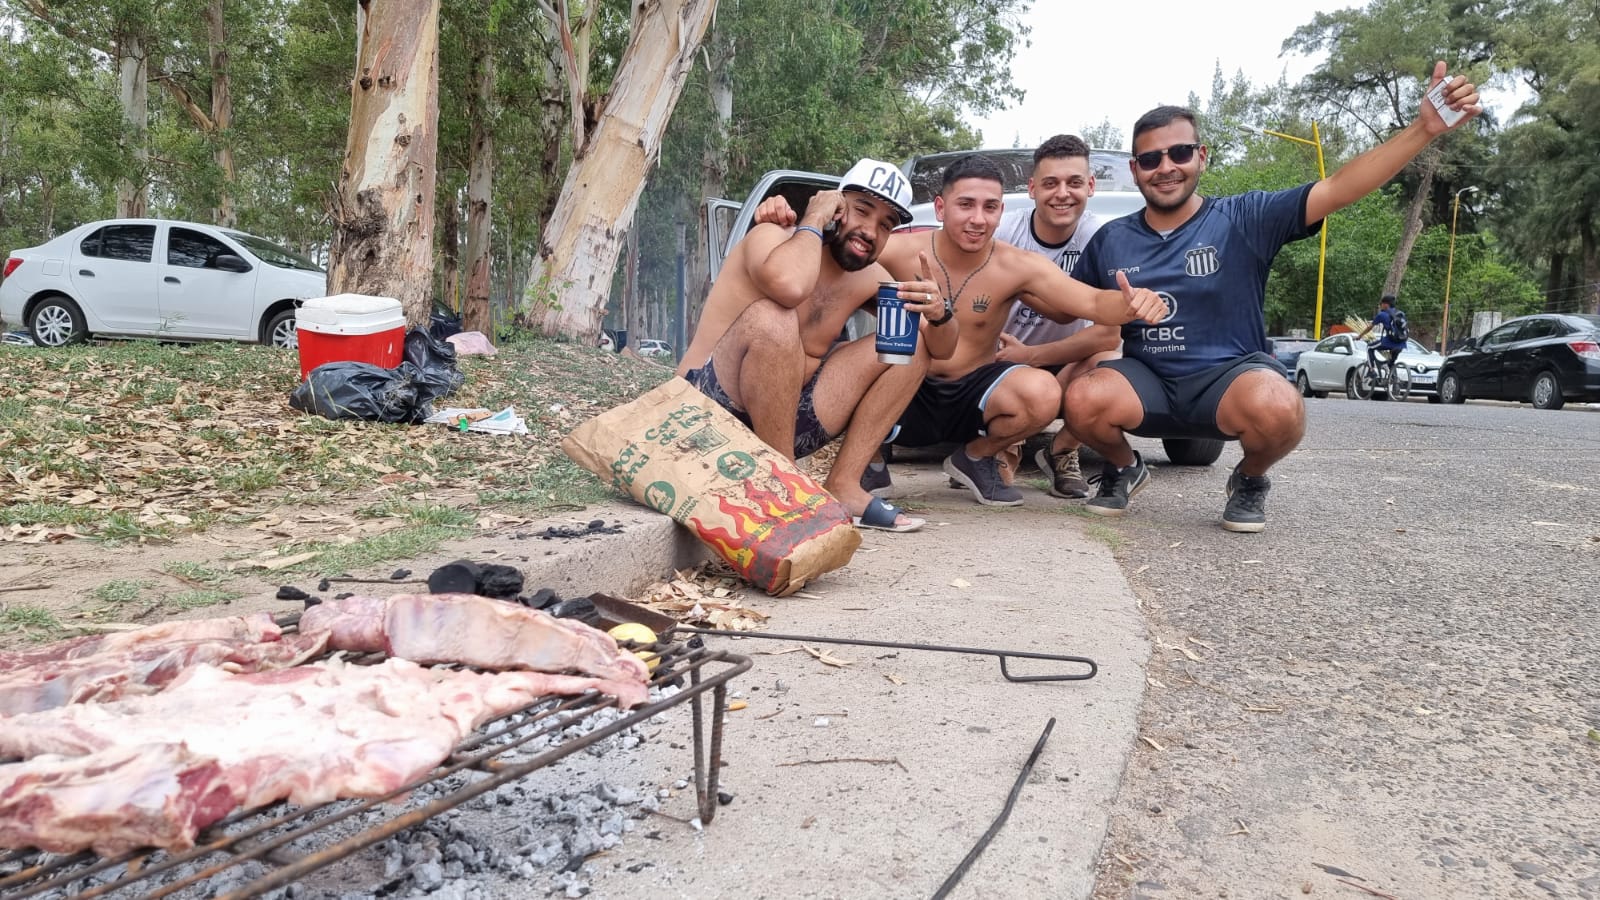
point(383, 215)
point(1589, 301)
point(579, 246)
point(1553, 282)
point(222, 113)
point(449, 220)
point(1413, 225)
point(480, 189)
point(133, 72)
point(713, 163)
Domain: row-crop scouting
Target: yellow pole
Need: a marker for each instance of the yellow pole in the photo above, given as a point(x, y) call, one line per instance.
point(1449, 270)
point(1322, 173)
point(1322, 259)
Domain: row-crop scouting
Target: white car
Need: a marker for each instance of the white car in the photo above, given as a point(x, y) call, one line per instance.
point(1331, 366)
point(650, 347)
point(155, 278)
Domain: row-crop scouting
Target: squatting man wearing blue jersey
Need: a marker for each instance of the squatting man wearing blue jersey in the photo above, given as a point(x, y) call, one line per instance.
point(1206, 369)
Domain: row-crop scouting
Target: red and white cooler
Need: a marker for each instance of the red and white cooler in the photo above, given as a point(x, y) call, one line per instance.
point(350, 328)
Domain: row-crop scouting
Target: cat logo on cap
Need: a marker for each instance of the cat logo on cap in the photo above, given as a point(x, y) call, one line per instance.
point(884, 181)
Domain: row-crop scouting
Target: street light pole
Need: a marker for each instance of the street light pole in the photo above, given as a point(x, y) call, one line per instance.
point(1322, 173)
point(1449, 269)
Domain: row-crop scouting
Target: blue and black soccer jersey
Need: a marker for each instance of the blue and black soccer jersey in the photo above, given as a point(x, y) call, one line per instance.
point(1211, 271)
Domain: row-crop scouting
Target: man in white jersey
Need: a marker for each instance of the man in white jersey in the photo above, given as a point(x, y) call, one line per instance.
point(1057, 227)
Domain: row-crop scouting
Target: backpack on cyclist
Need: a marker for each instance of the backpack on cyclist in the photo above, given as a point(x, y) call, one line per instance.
point(1398, 329)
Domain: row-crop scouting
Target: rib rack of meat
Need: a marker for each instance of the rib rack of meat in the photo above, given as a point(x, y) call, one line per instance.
point(228, 764)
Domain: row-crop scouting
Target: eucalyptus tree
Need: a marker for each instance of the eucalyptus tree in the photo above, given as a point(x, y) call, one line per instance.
point(384, 209)
point(1378, 61)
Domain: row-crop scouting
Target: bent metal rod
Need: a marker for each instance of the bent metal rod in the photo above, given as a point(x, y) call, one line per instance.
point(1092, 668)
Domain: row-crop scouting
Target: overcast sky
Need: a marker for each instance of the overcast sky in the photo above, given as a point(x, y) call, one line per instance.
point(1093, 61)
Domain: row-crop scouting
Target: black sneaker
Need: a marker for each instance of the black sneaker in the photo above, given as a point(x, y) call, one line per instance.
point(876, 478)
point(1117, 487)
point(982, 477)
point(1066, 473)
point(1247, 502)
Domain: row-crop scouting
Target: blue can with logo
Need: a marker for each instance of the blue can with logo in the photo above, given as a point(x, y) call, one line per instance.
point(897, 326)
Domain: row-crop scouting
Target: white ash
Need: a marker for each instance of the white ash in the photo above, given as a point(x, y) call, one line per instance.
point(534, 835)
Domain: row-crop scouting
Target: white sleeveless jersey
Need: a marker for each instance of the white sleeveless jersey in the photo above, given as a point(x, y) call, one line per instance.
point(1016, 229)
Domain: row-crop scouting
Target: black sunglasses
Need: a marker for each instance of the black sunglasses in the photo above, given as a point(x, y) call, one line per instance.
point(1150, 160)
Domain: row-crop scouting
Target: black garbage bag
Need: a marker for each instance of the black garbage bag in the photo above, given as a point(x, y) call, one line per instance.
point(358, 390)
point(435, 360)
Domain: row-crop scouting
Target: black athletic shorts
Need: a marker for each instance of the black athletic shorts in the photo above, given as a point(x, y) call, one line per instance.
point(952, 410)
point(1186, 406)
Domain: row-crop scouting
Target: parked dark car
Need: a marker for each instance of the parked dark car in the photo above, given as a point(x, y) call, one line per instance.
point(1544, 360)
point(1287, 350)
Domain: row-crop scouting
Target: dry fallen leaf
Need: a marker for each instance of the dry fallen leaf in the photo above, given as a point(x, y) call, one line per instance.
point(961, 583)
point(895, 679)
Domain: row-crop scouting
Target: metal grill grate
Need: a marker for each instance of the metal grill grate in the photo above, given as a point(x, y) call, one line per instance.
point(265, 834)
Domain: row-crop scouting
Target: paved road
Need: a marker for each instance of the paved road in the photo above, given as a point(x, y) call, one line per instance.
point(1393, 686)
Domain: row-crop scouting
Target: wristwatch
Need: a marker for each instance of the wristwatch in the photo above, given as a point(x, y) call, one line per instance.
point(949, 310)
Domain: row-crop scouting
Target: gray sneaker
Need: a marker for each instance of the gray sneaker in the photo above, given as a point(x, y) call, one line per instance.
point(982, 477)
point(1117, 486)
point(1247, 502)
point(1066, 474)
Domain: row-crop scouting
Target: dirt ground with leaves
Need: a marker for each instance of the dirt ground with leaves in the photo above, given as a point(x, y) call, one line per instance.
point(140, 482)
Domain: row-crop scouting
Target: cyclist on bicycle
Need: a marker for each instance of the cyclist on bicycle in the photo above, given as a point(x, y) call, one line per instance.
point(1393, 323)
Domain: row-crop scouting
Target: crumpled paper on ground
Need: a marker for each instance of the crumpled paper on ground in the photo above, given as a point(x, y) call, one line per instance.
point(506, 421)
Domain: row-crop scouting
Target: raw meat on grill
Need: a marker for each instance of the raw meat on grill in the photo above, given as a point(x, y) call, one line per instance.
point(142, 667)
point(474, 631)
point(112, 801)
point(251, 629)
point(309, 734)
point(354, 623)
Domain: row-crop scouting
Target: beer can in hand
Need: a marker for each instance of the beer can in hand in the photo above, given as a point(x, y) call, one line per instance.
point(897, 326)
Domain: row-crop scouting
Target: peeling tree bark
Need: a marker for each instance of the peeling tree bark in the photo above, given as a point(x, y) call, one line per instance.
point(383, 216)
point(720, 53)
point(480, 188)
point(222, 112)
point(133, 73)
point(580, 243)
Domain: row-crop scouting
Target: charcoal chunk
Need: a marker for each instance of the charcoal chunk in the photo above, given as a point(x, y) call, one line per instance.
point(459, 577)
point(290, 592)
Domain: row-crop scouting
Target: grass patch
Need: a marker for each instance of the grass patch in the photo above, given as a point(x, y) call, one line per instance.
point(34, 622)
point(122, 527)
point(401, 544)
point(195, 573)
point(420, 513)
point(122, 590)
point(203, 428)
point(199, 599)
point(1105, 534)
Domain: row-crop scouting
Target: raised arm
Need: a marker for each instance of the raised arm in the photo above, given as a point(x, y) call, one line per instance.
point(1374, 168)
point(784, 265)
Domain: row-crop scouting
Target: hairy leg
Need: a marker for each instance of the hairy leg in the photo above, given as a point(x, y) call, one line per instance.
point(863, 398)
point(1020, 406)
point(1100, 408)
point(1065, 440)
point(762, 366)
point(1267, 414)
